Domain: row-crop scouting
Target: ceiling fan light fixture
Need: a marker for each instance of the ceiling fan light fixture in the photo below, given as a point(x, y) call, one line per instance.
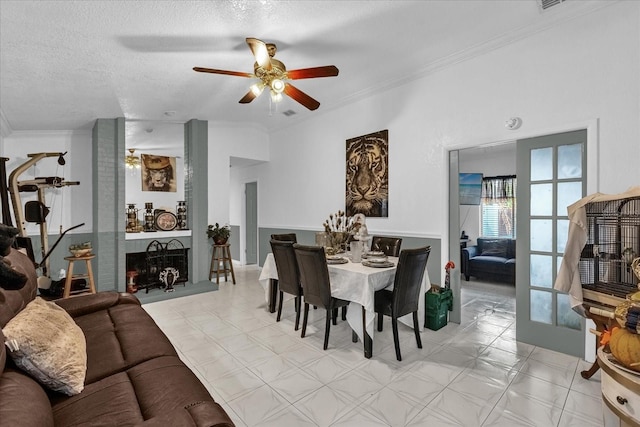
point(277, 86)
point(257, 88)
point(131, 161)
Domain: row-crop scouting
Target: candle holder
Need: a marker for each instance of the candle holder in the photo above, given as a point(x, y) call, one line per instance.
point(182, 215)
point(149, 217)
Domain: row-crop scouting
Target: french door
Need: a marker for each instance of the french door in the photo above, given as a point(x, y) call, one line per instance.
point(551, 173)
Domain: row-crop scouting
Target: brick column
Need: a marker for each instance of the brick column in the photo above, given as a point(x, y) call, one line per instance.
point(196, 178)
point(108, 145)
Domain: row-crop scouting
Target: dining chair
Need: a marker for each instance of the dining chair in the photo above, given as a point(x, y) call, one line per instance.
point(314, 276)
point(286, 237)
point(389, 245)
point(404, 297)
point(288, 275)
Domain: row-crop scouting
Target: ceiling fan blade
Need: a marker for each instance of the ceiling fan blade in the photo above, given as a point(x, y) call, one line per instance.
point(250, 96)
point(301, 97)
point(259, 50)
point(310, 73)
point(229, 73)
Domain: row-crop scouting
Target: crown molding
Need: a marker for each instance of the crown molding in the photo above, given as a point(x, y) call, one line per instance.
point(5, 127)
point(552, 19)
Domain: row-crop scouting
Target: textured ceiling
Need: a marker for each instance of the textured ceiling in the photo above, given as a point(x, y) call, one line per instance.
point(65, 63)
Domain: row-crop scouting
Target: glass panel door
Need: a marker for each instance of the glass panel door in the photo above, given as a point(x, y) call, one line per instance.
point(551, 176)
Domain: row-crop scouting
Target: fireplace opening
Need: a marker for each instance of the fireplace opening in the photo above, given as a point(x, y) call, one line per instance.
point(159, 264)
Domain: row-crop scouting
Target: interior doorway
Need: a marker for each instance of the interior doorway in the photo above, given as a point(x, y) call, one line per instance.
point(495, 160)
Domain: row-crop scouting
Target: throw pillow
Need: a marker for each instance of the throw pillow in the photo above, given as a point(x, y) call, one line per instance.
point(50, 346)
point(496, 248)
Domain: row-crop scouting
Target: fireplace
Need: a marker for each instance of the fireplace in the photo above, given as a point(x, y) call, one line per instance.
point(151, 266)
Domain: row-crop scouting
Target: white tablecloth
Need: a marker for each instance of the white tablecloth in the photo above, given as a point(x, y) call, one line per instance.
point(356, 283)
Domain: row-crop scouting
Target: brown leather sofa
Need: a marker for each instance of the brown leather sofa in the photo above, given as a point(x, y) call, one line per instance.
point(134, 375)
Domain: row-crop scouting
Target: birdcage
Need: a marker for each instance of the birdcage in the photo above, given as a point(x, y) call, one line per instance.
point(613, 242)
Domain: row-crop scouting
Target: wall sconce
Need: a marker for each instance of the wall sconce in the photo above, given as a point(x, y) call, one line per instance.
point(513, 123)
point(131, 161)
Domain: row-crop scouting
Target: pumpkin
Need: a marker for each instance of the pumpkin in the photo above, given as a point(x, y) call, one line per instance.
point(625, 347)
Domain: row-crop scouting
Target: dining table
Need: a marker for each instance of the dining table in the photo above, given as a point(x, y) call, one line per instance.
point(357, 283)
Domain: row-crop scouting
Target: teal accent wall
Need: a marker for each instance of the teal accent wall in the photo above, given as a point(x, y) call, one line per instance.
point(234, 241)
point(196, 164)
point(307, 237)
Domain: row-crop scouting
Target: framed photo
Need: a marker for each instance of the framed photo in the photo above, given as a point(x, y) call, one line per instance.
point(158, 173)
point(470, 188)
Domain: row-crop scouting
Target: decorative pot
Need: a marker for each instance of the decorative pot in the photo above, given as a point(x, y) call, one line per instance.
point(220, 240)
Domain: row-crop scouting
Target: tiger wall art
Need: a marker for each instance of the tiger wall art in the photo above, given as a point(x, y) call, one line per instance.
point(367, 177)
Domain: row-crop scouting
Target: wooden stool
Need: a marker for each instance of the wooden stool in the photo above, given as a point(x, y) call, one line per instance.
point(221, 263)
point(70, 276)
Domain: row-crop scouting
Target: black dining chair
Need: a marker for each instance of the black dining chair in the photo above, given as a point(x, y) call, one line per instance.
point(314, 276)
point(389, 245)
point(286, 237)
point(404, 297)
point(288, 275)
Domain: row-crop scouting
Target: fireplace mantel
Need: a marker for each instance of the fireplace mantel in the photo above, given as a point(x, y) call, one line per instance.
point(157, 235)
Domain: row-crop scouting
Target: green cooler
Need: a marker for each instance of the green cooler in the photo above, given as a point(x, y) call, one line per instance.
point(438, 301)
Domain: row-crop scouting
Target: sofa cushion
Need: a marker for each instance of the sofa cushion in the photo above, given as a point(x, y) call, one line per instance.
point(23, 401)
point(151, 389)
point(126, 333)
point(51, 347)
point(496, 248)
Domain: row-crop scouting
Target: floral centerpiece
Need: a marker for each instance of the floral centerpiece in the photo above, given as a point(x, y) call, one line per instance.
point(338, 228)
point(219, 234)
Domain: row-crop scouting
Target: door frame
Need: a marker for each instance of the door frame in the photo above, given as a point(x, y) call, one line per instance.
point(450, 241)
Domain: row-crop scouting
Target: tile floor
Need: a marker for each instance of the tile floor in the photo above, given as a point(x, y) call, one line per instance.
point(472, 374)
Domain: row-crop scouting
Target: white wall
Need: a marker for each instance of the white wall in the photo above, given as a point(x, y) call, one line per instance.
point(585, 70)
point(70, 205)
point(226, 197)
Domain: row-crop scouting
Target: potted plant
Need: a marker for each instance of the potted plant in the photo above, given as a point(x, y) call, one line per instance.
point(219, 234)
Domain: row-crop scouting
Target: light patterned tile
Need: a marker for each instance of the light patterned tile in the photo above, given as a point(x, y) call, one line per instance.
point(272, 368)
point(355, 387)
point(394, 409)
point(507, 344)
point(502, 357)
point(237, 383)
point(588, 406)
point(214, 334)
point(525, 386)
point(302, 355)
point(381, 371)
point(295, 385)
point(327, 369)
point(415, 388)
point(459, 408)
point(557, 374)
point(359, 417)
point(438, 373)
point(258, 404)
point(570, 419)
point(289, 416)
point(325, 406)
point(515, 409)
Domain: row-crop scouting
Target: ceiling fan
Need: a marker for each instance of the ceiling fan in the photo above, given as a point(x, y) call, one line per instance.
point(274, 75)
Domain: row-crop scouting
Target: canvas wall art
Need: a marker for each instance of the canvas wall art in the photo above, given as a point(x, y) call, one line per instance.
point(158, 173)
point(367, 176)
point(470, 188)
